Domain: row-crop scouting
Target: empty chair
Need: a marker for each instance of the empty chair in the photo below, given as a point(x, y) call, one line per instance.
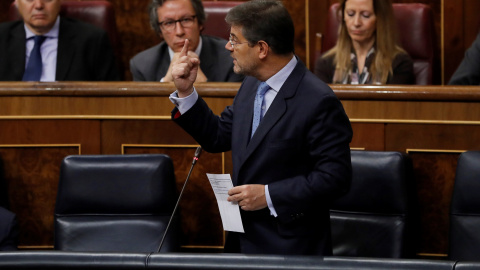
point(116, 203)
point(216, 11)
point(375, 218)
point(416, 36)
point(465, 209)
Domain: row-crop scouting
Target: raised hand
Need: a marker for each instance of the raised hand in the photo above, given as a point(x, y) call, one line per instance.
point(184, 71)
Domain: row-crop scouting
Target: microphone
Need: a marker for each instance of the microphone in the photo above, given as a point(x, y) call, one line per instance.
point(195, 159)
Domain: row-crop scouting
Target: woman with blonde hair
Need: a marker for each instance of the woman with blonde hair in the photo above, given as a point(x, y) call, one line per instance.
point(366, 51)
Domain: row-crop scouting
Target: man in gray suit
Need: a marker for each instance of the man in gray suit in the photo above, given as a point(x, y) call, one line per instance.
point(175, 21)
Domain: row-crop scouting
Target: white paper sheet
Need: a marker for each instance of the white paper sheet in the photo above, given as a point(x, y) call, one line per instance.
point(229, 211)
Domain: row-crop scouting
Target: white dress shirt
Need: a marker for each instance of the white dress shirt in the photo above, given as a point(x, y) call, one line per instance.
point(48, 51)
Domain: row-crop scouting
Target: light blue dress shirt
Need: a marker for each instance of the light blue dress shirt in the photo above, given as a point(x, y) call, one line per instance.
point(48, 51)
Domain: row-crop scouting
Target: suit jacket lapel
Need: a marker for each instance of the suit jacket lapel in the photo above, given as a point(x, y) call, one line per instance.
point(277, 109)
point(206, 61)
point(164, 61)
point(66, 49)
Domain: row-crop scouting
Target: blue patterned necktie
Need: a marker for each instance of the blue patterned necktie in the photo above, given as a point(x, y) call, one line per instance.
point(33, 71)
point(257, 108)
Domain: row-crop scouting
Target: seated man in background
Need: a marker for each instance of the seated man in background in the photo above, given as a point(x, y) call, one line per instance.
point(175, 21)
point(8, 230)
point(468, 72)
point(47, 47)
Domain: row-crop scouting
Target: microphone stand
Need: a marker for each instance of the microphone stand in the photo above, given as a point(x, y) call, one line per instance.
point(195, 158)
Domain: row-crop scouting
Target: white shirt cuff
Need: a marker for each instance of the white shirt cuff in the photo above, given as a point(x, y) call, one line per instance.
point(269, 202)
point(184, 104)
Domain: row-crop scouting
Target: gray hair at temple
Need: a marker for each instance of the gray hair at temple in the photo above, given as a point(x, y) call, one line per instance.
point(155, 4)
point(266, 20)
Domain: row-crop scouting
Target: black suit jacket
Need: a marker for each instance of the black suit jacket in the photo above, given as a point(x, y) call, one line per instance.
point(300, 150)
point(468, 72)
point(402, 68)
point(215, 62)
point(8, 230)
point(84, 52)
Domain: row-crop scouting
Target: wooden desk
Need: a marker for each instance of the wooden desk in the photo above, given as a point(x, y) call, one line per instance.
point(42, 123)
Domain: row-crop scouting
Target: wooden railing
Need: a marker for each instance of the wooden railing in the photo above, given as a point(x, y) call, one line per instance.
point(41, 123)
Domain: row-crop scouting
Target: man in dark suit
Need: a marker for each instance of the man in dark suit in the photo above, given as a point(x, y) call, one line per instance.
point(175, 21)
point(8, 230)
point(71, 51)
point(289, 168)
point(468, 72)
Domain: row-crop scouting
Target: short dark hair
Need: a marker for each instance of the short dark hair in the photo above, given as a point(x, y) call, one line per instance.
point(266, 20)
point(155, 4)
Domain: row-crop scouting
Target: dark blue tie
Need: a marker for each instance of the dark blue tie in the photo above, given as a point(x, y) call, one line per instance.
point(257, 107)
point(33, 71)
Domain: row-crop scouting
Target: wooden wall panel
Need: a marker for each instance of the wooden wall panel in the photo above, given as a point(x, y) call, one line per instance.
point(434, 150)
point(32, 151)
point(31, 174)
point(134, 30)
point(368, 136)
point(116, 133)
point(200, 217)
point(434, 174)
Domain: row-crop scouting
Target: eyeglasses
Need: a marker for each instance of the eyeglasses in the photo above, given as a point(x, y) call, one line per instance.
point(235, 43)
point(171, 24)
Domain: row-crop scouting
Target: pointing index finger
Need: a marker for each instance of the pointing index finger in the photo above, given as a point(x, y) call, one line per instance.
point(184, 49)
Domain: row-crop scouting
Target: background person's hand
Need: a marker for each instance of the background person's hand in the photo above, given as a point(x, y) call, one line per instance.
point(184, 72)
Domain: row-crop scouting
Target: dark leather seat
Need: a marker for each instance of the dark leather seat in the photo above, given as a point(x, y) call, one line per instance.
point(465, 209)
point(375, 218)
point(472, 265)
point(94, 260)
point(116, 203)
point(416, 36)
point(216, 11)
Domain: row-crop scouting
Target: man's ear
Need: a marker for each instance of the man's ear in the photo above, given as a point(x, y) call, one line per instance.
point(263, 49)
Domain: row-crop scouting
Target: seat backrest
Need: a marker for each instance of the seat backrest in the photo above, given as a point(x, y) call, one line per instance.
point(116, 203)
point(216, 11)
point(97, 12)
point(416, 34)
point(464, 243)
point(375, 218)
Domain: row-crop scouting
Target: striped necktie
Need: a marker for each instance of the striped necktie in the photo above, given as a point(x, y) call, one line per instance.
point(257, 108)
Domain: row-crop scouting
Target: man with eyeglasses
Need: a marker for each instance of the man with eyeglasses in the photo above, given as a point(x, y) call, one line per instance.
point(175, 21)
point(288, 133)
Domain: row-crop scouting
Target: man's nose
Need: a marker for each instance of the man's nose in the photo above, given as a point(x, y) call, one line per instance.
point(38, 4)
point(229, 46)
point(179, 29)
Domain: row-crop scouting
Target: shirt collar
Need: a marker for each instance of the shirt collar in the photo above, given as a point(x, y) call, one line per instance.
point(53, 33)
point(197, 51)
point(276, 81)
